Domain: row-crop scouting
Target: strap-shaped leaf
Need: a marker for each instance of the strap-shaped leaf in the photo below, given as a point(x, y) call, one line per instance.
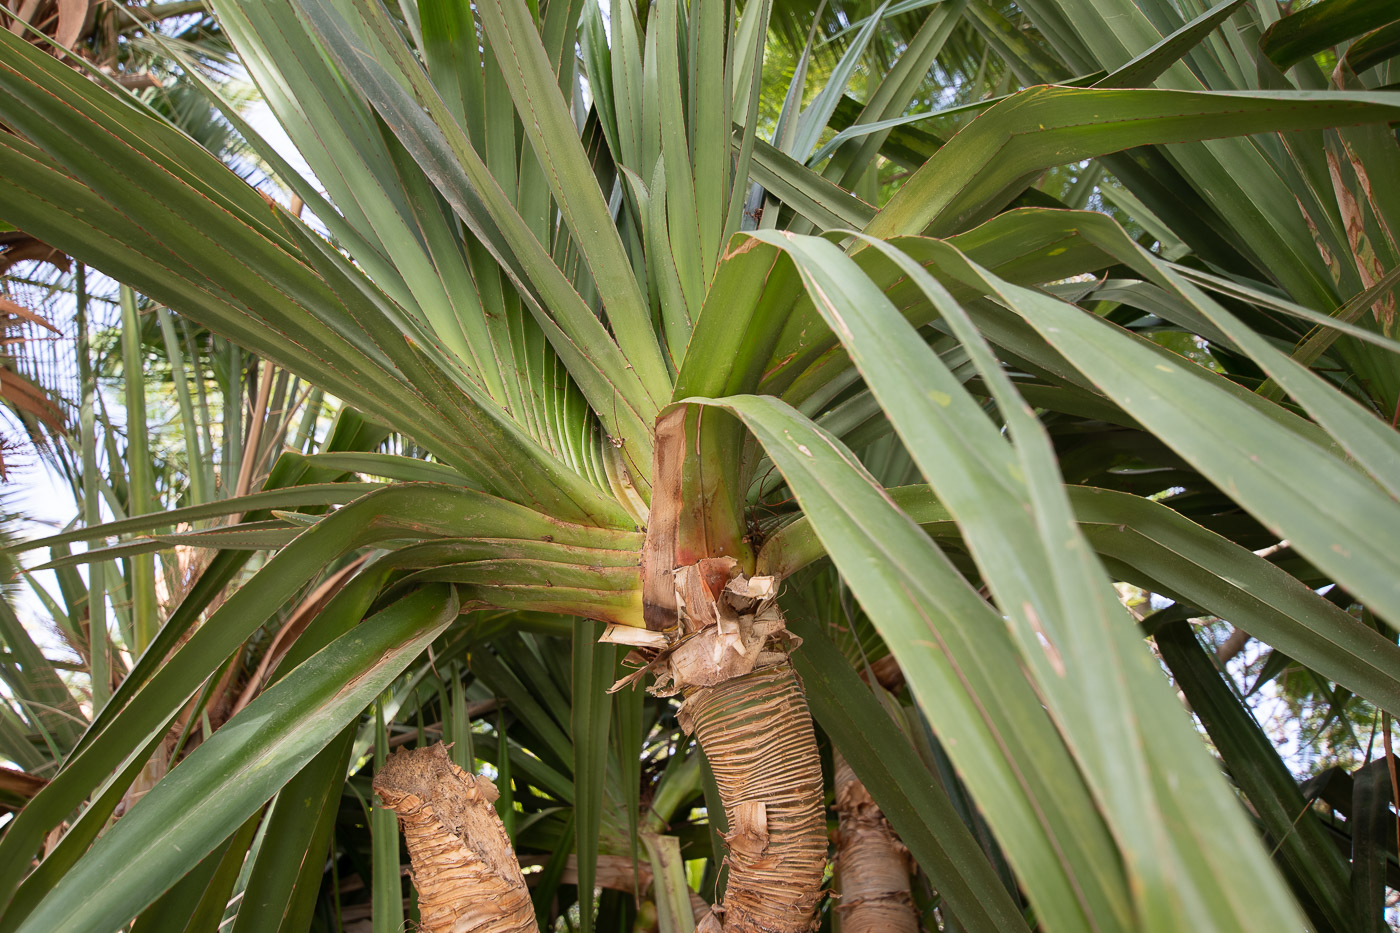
point(400, 511)
point(962, 668)
point(409, 244)
point(1146, 67)
point(826, 205)
point(240, 767)
point(1159, 388)
point(980, 168)
point(296, 496)
point(594, 667)
point(548, 124)
point(382, 68)
point(1160, 548)
point(285, 878)
point(910, 797)
point(259, 289)
point(891, 97)
point(1321, 26)
point(1304, 846)
point(1009, 501)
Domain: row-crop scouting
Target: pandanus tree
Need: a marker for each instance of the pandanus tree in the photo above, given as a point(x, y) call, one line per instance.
point(654, 357)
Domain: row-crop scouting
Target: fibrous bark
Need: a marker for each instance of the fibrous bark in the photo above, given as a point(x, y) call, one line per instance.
point(464, 868)
point(756, 731)
point(872, 865)
point(728, 658)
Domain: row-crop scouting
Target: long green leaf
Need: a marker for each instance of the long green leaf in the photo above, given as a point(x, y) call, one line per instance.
point(1167, 552)
point(963, 669)
point(256, 275)
point(1321, 26)
point(407, 510)
point(555, 139)
point(387, 878)
point(1010, 503)
point(1305, 850)
point(909, 796)
point(593, 668)
point(980, 168)
point(606, 376)
point(285, 880)
point(296, 496)
point(229, 776)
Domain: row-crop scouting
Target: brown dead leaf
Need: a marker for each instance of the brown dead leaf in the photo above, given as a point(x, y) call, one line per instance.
point(12, 309)
point(74, 18)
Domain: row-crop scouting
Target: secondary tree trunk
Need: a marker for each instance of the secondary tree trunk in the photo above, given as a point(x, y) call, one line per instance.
point(872, 865)
point(464, 868)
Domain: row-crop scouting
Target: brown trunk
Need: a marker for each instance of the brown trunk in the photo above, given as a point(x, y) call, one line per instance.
point(728, 657)
point(464, 868)
point(757, 734)
point(872, 865)
point(716, 637)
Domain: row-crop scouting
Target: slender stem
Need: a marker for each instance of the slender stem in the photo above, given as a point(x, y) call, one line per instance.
point(92, 503)
point(140, 479)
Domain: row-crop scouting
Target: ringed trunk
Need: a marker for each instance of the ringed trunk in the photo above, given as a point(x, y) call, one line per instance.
point(872, 865)
point(464, 867)
point(756, 731)
point(728, 659)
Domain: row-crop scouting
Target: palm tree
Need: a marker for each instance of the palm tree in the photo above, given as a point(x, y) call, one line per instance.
point(658, 362)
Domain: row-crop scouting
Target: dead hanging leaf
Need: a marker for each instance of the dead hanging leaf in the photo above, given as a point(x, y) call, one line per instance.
point(27, 398)
point(23, 15)
point(19, 784)
point(74, 19)
point(1327, 257)
point(11, 309)
point(1368, 266)
point(17, 246)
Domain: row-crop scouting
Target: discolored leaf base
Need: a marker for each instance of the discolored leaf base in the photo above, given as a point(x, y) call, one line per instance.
point(464, 868)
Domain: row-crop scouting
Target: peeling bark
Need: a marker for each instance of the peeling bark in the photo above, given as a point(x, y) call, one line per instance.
point(464, 868)
point(872, 865)
point(756, 731)
point(728, 658)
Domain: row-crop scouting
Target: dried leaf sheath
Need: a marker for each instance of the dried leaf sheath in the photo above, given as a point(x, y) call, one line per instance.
point(729, 658)
point(757, 734)
point(872, 865)
point(464, 868)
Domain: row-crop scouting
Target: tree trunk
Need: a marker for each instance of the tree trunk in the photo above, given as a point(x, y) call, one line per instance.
point(872, 865)
point(728, 658)
point(756, 731)
point(464, 868)
point(716, 637)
